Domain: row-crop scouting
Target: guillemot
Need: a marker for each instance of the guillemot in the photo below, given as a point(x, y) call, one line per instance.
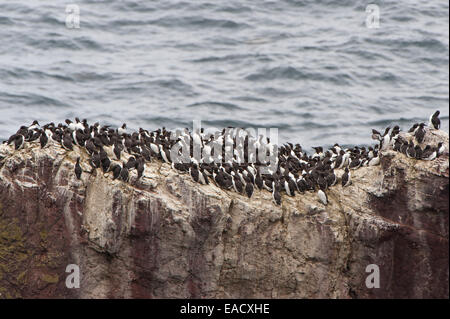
point(429, 153)
point(419, 133)
point(322, 197)
point(440, 149)
point(413, 128)
point(346, 178)
point(435, 122)
point(43, 139)
point(386, 138)
point(411, 151)
point(78, 169)
point(122, 130)
point(19, 142)
point(116, 169)
point(124, 173)
point(140, 167)
point(276, 193)
point(248, 187)
point(67, 142)
point(418, 152)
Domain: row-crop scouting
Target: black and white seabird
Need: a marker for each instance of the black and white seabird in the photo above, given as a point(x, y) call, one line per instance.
point(248, 187)
point(419, 134)
point(227, 179)
point(418, 152)
point(398, 142)
point(429, 153)
point(122, 130)
point(70, 125)
point(90, 147)
point(34, 135)
point(319, 152)
point(140, 166)
point(67, 142)
point(301, 185)
point(331, 178)
point(395, 131)
point(289, 186)
point(181, 167)
point(376, 135)
point(404, 147)
point(440, 149)
point(322, 197)
point(375, 160)
point(95, 160)
point(193, 171)
point(346, 178)
point(145, 151)
point(43, 139)
point(165, 154)
point(339, 161)
point(411, 151)
point(34, 126)
point(413, 128)
point(78, 169)
point(355, 163)
point(386, 139)
point(19, 141)
point(124, 174)
point(259, 181)
point(78, 137)
point(105, 161)
point(435, 122)
point(276, 193)
point(237, 184)
point(116, 169)
point(131, 163)
point(322, 182)
point(202, 177)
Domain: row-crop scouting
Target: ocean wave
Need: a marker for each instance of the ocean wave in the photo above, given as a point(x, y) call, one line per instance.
point(31, 99)
point(216, 105)
point(292, 73)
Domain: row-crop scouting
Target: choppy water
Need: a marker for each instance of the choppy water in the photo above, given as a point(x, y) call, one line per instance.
point(311, 68)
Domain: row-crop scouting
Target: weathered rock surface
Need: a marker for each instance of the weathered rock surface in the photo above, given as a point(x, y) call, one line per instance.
point(168, 237)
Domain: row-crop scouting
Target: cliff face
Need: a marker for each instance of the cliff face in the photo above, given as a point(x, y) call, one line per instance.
point(168, 237)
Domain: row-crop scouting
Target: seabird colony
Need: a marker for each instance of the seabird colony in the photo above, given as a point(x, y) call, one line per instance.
point(294, 171)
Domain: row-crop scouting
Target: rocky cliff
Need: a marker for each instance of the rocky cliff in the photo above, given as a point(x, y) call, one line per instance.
point(165, 236)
